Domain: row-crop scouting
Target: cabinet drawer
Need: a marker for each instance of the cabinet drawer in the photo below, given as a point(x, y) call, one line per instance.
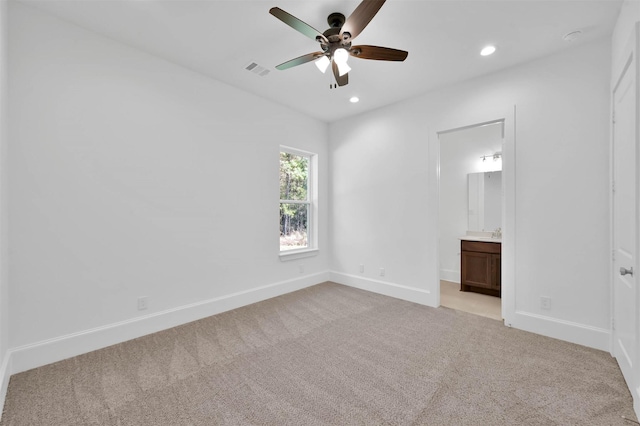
point(481, 246)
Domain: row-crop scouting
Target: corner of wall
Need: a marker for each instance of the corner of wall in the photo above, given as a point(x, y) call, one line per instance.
point(399, 291)
point(5, 354)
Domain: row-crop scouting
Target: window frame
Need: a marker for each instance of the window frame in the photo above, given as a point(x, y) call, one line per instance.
point(312, 202)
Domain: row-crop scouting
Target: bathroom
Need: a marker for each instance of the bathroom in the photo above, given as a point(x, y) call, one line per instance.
point(471, 210)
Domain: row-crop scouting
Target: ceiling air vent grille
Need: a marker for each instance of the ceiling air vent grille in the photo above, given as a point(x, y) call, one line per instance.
point(257, 69)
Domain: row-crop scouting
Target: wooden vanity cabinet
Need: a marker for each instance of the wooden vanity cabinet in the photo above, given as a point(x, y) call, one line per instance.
point(480, 269)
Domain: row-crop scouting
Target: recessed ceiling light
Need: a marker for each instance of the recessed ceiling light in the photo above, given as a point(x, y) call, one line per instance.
point(488, 50)
point(354, 99)
point(572, 36)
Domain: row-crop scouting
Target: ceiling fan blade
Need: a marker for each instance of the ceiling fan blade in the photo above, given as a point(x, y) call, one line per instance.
point(378, 53)
point(360, 17)
point(300, 60)
point(297, 24)
point(341, 80)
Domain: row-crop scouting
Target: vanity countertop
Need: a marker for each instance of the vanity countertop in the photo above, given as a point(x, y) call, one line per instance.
point(479, 238)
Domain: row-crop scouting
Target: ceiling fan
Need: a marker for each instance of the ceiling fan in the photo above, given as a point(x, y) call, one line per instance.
point(336, 41)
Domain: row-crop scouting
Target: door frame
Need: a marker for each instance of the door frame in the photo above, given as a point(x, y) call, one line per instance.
point(507, 115)
point(631, 52)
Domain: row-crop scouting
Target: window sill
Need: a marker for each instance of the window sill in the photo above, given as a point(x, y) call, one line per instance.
point(297, 254)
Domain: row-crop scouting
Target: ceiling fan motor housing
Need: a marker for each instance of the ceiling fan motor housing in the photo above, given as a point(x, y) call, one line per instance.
point(336, 20)
point(336, 40)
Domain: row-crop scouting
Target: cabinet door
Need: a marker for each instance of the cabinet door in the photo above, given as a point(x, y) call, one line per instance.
point(496, 265)
point(477, 269)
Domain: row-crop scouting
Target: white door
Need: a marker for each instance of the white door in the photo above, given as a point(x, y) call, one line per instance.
point(625, 221)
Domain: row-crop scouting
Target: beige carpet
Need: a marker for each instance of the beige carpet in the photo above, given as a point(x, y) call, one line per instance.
point(467, 301)
point(328, 354)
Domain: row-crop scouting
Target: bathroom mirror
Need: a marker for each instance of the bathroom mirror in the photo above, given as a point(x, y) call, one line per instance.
point(485, 201)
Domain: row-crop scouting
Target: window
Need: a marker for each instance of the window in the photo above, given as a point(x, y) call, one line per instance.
point(297, 200)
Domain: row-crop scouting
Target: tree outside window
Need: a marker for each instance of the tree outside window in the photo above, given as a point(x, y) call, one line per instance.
point(295, 200)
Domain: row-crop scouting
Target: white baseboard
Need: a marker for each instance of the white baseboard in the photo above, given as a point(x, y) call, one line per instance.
point(48, 351)
point(411, 294)
point(635, 393)
point(593, 337)
point(450, 275)
point(5, 376)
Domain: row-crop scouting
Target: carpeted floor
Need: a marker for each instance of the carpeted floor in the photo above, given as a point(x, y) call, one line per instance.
point(328, 354)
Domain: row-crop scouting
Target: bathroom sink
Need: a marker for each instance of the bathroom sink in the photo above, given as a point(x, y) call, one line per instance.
point(480, 238)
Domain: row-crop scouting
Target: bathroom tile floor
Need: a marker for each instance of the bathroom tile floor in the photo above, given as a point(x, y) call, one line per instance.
point(479, 304)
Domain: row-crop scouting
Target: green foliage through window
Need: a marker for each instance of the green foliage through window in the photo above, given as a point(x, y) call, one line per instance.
point(294, 201)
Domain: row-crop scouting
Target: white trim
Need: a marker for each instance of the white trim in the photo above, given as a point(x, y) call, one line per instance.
point(296, 151)
point(51, 350)
point(573, 332)
point(508, 255)
point(311, 202)
point(298, 254)
point(399, 291)
point(451, 275)
point(5, 376)
point(472, 126)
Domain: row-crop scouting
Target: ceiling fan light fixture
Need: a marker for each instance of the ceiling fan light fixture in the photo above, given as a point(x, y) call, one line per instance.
point(343, 68)
point(340, 56)
point(323, 64)
point(336, 41)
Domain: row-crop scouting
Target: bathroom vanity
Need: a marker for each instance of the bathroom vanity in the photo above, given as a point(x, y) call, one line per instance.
point(480, 268)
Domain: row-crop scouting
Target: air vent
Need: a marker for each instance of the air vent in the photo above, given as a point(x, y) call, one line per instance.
point(257, 69)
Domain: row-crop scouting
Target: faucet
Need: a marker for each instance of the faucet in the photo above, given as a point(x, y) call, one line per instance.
point(497, 233)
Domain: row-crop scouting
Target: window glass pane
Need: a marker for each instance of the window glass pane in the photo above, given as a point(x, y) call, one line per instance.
point(294, 171)
point(293, 226)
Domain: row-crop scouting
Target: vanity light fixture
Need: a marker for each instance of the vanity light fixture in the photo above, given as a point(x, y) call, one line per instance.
point(495, 156)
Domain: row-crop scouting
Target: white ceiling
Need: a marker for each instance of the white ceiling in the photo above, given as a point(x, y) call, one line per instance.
point(219, 38)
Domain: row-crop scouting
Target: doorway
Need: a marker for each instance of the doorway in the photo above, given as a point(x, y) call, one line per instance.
point(625, 243)
point(471, 208)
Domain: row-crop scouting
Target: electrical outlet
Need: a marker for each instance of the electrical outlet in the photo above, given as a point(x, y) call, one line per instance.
point(382, 272)
point(545, 302)
point(361, 268)
point(143, 303)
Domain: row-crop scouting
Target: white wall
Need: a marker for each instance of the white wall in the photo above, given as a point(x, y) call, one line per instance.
point(378, 174)
point(629, 15)
point(4, 284)
point(460, 153)
point(131, 177)
point(384, 165)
